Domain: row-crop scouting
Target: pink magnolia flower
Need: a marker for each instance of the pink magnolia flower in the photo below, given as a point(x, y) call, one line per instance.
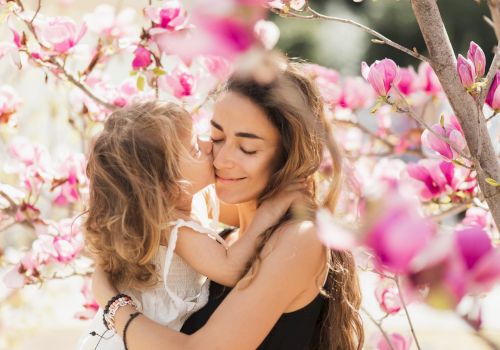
point(169, 16)
point(328, 82)
point(466, 71)
point(469, 264)
point(267, 32)
point(356, 93)
point(387, 296)
point(111, 25)
point(332, 234)
point(450, 129)
point(9, 103)
point(408, 80)
point(476, 56)
point(493, 97)
point(435, 177)
point(11, 50)
point(90, 304)
point(381, 75)
point(180, 82)
point(395, 231)
point(398, 341)
point(428, 80)
point(227, 31)
point(217, 66)
point(475, 216)
point(70, 178)
point(142, 58)
point(59, 33)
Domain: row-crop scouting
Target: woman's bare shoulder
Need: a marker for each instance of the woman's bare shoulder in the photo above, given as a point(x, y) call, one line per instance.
point(299, 240)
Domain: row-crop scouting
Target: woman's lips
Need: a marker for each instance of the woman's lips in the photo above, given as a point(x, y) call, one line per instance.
point(228, 180)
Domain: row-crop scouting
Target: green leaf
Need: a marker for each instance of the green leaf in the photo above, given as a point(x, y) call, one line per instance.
point(441, 120)
point(158, 71)
point(492, 182)
point(133, 72)
point(140, 83)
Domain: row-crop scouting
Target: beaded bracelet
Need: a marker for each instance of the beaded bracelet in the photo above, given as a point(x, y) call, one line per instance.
point(110, 316)
point(131, 318)
point(112, 307)
point(106, 308)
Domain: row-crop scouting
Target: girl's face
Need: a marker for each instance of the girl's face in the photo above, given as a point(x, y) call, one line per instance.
point(196, 163)
point(245, 147)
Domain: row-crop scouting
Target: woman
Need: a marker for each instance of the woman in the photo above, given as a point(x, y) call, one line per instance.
point(263, 136)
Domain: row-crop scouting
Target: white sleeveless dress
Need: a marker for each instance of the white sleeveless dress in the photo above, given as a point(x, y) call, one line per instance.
point(181, 292)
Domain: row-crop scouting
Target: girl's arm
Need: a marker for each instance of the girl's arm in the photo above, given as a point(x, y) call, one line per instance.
point(290, 265)
point(227, 266)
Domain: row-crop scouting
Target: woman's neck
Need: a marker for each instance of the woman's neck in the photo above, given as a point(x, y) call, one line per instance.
point(246, 213)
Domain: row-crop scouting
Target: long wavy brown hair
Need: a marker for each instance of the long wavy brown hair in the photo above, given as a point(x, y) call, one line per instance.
point(135, 182)
point(293, 105)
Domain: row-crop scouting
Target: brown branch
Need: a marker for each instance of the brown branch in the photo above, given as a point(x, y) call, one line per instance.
point(452, 211)
point(468, 113)
point(491, 344)
point(413, 115)
point(82, 87)
point(379, 326)
point(400, 292)
point(39, 6)
point(370, 31)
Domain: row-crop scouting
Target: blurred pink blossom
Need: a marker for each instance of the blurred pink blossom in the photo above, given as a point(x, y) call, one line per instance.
point(408, 80)
point(267, 32)
point(180, 82)
point(493, 97)
point(169, 16)
point(111, 25)
point(356, 93)
point(398, 341)
point(387, 295)
point(69, 179)
point(395, 231)
point(332, 234)
point(142, 58)
point(9, 103)
point(59, 34)
point(428, 80)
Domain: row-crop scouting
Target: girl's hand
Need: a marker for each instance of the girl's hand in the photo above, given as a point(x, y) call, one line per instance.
point(272, 210)
point(102, 289)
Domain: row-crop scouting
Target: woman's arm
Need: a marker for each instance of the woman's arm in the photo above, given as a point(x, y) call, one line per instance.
point(227, 266)
point(292, 260)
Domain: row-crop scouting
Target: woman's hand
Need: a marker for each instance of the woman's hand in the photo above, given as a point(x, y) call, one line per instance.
point(102, 289)
point(272, 210)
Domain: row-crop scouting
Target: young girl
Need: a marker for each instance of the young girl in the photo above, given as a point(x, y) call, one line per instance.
point(144, 169)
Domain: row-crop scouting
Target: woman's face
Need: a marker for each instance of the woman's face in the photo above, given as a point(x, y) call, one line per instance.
point(245, 147)
point(196, 163)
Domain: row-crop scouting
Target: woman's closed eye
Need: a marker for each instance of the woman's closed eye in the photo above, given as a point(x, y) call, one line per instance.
point(216, 141)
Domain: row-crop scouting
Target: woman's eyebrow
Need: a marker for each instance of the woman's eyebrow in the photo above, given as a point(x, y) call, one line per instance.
point(238, 134)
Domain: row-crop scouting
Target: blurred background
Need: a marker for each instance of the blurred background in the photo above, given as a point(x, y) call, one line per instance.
point(48, 319)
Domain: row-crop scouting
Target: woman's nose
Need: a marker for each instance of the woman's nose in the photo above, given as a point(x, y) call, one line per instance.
point(222, 157)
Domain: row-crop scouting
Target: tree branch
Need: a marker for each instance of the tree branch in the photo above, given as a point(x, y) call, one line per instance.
point(400, 292)
point(468, 113)
point(316, 15)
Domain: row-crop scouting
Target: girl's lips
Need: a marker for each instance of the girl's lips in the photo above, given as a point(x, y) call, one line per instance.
point(227, 180)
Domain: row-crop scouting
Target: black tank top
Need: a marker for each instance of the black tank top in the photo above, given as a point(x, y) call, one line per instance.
point(293, 331)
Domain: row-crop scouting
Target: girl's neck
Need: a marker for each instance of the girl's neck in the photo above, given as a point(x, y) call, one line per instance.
point(246, 213)
point(184, 207)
